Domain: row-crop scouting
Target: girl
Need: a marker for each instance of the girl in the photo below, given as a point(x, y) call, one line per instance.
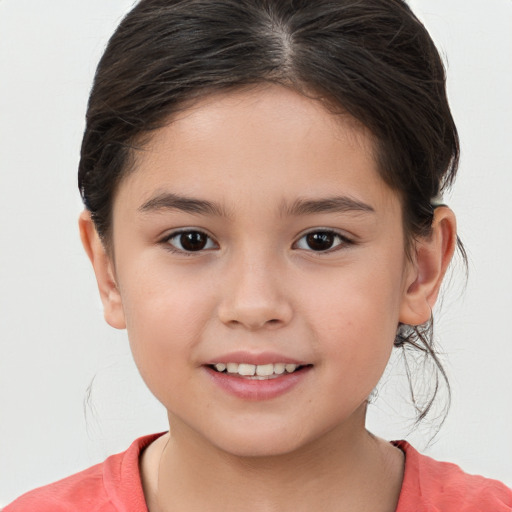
point(262, 183)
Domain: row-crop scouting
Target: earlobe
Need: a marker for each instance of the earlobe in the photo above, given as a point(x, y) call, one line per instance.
point(104, 271)
point(432, 257)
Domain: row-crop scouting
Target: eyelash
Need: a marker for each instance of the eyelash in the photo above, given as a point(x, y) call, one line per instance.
point(177, 234)
point(342, 241)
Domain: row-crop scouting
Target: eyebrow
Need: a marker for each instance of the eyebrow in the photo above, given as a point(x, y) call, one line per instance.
point(336, 204)
point(170, 201)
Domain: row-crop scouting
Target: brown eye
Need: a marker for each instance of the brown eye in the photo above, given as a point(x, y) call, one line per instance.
point(191, 241)
point(321, 241)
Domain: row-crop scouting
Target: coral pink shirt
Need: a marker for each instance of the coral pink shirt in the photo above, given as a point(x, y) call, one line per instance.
point(115, 486)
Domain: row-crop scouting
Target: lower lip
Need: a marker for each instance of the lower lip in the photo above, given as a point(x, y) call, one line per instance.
point(249, 389)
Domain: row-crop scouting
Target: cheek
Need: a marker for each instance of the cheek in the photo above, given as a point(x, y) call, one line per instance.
point(362, 298)
point(163, 300)
point(355, 320)
point(165, 318)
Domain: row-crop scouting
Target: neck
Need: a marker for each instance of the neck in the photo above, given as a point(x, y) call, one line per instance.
point(347, 469)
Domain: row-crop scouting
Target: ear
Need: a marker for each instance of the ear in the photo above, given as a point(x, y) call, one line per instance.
point(431, 259)
point(104, 270)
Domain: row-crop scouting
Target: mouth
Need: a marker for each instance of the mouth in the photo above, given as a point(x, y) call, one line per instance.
point(258, 371)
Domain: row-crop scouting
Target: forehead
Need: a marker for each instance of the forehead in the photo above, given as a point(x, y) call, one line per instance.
point(269, 139)
point(259, 110)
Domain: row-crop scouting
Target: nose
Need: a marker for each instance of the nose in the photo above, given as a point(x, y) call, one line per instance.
point(254, 296)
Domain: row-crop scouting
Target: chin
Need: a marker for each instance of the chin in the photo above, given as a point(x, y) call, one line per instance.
point(256, 439)
point(263, 447)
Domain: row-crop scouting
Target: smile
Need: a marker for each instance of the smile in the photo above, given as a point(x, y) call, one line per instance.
point(256, 371)
point(256, 382)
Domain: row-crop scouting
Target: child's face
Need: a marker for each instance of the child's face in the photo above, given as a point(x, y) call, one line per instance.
point(256, 229)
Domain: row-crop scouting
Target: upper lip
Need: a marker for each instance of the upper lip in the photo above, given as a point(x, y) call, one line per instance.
point(256, 358)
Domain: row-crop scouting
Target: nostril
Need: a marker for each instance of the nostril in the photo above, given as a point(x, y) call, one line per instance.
point(253, 315)
point(255, 324)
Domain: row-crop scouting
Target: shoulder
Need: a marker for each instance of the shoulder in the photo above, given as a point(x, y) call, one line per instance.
point(433, 486)
point(79, 492)
point(112, 486)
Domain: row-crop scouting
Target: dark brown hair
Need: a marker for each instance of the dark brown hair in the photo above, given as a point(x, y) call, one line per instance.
point(371, 59)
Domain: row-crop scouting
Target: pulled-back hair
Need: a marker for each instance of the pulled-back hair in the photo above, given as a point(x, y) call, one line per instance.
point(372, 59)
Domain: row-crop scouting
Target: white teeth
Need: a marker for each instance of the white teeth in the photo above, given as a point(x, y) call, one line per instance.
point(260, 371)
point(246, 369)
point(232, 367)
point(279, 368)
point(291, 368)
point(264, 370)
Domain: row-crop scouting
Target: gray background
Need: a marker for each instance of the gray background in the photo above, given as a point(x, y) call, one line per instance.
point(54, 344)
